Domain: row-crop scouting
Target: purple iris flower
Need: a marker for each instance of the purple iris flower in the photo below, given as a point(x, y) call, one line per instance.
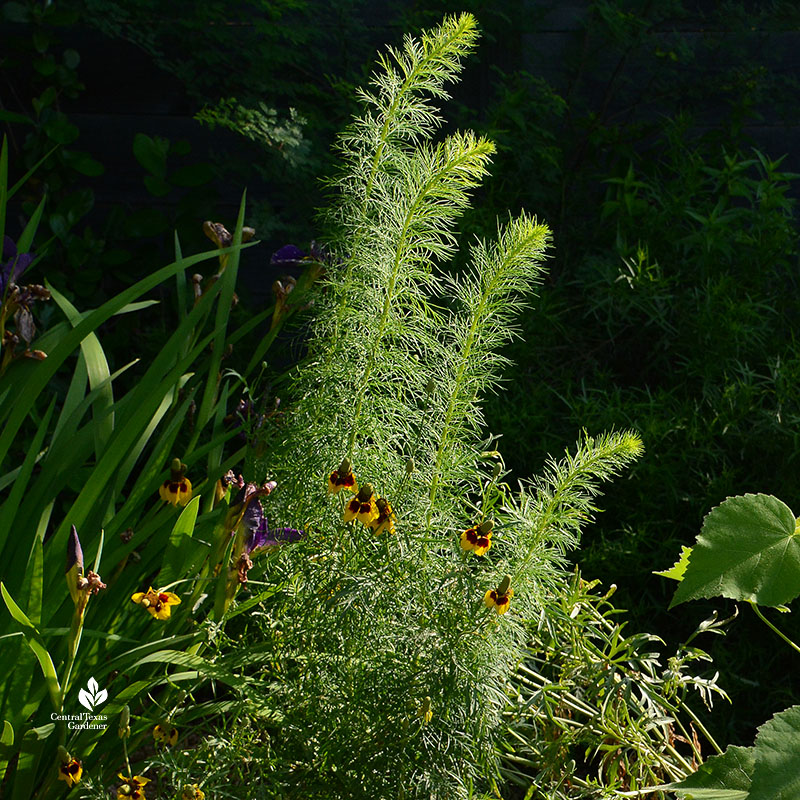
point(288, 255)
point(259, 534)
point(13, 263)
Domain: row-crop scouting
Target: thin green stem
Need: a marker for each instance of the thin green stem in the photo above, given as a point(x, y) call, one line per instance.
point(770, 625)
point(125, 753)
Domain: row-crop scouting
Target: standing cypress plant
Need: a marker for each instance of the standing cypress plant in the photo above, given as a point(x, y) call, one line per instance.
point(404, 607)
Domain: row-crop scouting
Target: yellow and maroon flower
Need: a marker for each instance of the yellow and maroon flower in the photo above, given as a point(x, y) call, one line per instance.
point(178, 489)
point(193, 792)
point(500, 598)
point(70, 772)
point(165, 734)
point(342, 478)
point(131, 788)
point(363, 506)
point(159, 604)
point(385, 519)
point(478, 538)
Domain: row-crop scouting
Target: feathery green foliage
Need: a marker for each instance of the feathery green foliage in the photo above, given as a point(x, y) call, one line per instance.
point(388, 672)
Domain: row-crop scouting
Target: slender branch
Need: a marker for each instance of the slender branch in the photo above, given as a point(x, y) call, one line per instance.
point(770, 625)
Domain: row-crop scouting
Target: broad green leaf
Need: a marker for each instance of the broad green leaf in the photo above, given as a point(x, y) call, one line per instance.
point(146, 398)
point(215, 455)
point(19, 660)
point(725, 777)
point(206, 668)
point(99, 556)
point(34, 578)
point(136, 451)
point(179, 540)
point(99, 375)
point(133, 654)
point(748, 550)
point(27, 767)
point(10, 477)
point(777, 755)
point(75, 393)
point(17, 496)
point(254, 601)
point(132, 307)
point(160, 454)
point(677, 570)
point(25, 240)
point(7, 737)
point(27, 390)
point(34, 639)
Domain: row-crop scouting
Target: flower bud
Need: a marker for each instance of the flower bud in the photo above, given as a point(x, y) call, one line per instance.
point(430, 386)
point(498, 468)
point(410, 466)
point(74, 567)
point(125, 723)
point(365, 492)
point(504, 585)
point(486, 527)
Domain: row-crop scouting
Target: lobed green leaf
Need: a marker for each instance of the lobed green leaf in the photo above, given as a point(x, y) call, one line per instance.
point(748, 550)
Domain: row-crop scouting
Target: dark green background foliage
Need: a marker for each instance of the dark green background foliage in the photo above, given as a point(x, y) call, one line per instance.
point(628, 126)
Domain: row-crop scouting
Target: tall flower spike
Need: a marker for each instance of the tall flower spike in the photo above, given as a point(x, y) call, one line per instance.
point(342, 478)
point(362, 507)
point(178, 489)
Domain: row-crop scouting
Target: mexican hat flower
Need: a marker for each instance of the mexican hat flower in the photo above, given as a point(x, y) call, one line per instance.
point(69, 768)
point(131, 788)
point(363, 506)
point(159, 604)
point(500, 598)
point(425, 711)
point(178, 489)
point(165, 734)
point(385, 519)
point(193, 792)
point(478, 538)
point(342, 478)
